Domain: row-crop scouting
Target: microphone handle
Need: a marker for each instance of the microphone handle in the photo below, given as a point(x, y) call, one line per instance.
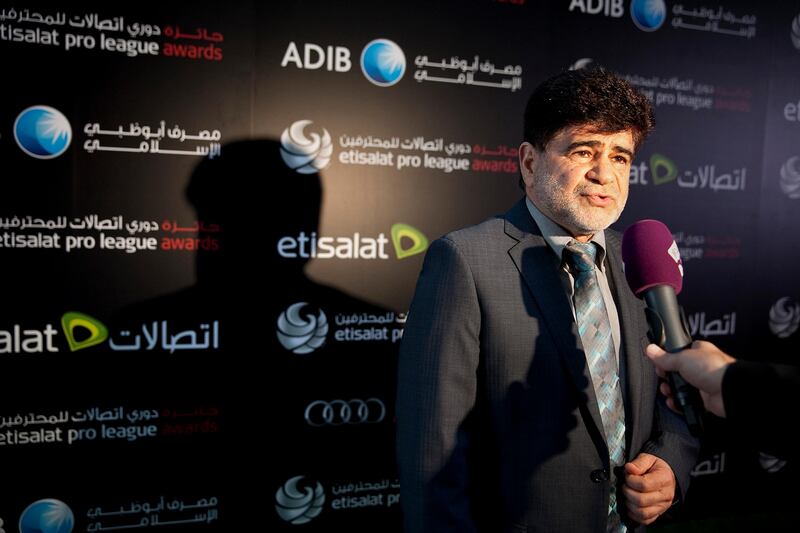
point(669, 330)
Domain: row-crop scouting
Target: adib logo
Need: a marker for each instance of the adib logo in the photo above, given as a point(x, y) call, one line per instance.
point(303, 150)
point(383, 62)
point(609, 8)
point(47, 516)
point(42, 132)
point(648, 15)
point(298, 501)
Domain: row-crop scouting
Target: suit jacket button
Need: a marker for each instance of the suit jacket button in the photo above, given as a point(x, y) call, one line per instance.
point(599, 475)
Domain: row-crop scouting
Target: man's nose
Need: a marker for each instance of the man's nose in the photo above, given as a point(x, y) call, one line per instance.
point(601, 171)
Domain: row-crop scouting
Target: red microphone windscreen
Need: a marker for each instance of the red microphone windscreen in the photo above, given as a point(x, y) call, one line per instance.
point(651, 257)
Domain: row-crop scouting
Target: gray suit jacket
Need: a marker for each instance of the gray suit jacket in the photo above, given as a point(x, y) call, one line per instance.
point(498, 424)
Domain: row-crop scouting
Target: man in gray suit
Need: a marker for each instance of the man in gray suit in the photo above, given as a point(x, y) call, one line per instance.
point(524, 404)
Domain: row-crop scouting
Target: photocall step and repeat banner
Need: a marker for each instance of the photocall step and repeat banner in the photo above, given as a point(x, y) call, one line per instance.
point(213, 215)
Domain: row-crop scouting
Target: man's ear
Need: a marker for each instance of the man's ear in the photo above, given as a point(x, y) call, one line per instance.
point(528, 157)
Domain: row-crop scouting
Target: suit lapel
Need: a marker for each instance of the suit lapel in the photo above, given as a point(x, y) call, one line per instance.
point(631, 317)
point(539, 267)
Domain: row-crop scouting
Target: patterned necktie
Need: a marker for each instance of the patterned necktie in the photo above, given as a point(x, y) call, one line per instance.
point(598, 344)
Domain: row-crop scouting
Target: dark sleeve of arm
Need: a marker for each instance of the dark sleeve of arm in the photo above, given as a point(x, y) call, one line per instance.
point(436, 392)
point(673, 443)
point(761, 405)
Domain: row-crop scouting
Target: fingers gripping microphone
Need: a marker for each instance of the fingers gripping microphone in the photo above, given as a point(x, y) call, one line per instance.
point(654, 272)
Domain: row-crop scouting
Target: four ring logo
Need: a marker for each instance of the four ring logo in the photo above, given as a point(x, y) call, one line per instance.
point(338, 412)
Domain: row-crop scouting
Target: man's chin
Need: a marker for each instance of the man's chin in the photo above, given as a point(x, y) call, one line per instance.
point(595, 225)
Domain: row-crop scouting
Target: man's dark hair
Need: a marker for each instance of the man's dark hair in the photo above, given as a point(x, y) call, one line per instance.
point(591, 96)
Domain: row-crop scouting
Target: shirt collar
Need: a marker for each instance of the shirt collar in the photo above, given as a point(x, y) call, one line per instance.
point(557, 237)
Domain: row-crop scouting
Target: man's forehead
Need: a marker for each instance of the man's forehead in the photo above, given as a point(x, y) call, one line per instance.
point(577, 132)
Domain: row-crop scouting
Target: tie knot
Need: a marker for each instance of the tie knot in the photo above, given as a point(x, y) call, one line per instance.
point(580, 256)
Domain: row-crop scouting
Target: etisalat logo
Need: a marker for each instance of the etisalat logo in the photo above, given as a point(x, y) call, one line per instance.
point(305, 152)
point(311, 246)
point(784, 317)
point(663, 170)
point(42, 132)
point(81, 331)
point(298, 501)
point(769, 463)
point(47, 516)
point(303, 327)
point(790, 177)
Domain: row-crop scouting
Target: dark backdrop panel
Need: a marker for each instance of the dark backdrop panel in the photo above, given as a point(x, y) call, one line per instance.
point(200, 331)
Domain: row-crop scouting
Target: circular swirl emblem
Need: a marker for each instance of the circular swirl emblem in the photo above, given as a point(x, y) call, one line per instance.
point(306, 154)
point(302, 332)
point(790, 177)
point(796, 32)
point(298, 503)
point(784, 317)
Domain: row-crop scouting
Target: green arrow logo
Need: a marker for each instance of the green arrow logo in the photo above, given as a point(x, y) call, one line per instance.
point(97, 330)
point(419, 242)
point(662, 169)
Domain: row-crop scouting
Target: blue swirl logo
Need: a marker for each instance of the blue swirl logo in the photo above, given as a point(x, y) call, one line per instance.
point(42, 132)
point(648, 15)
point(46, 516)
point(383, 62)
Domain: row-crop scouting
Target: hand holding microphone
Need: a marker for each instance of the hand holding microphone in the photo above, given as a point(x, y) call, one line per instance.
point(703, 365)
point(654, 272)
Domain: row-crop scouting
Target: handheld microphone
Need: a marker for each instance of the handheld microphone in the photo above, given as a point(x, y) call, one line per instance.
point(654, 272)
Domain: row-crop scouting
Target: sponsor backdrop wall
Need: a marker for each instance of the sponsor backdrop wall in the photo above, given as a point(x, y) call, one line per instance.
point(213, 215)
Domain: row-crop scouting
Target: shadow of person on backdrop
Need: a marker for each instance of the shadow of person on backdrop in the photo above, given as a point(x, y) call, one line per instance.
point(276, 343)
